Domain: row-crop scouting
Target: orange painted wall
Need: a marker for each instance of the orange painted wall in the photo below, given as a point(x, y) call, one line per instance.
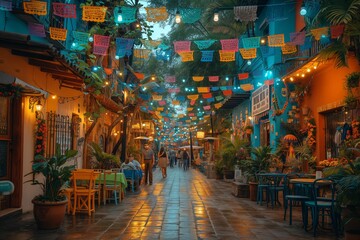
point(327, 91)
point(299, 20)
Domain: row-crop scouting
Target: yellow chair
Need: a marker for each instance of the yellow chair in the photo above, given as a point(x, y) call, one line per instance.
point(84, 190)
point(111, 185)
point(69, 193)
point(98, 186)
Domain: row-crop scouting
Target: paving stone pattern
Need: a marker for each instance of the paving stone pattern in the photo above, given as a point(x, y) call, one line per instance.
point(185, 205)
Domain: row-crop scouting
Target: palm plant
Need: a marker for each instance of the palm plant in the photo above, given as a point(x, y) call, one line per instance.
point(347, 177)
point(233, 152)
point(259, 163)
point(103, 160)
point(336, 13)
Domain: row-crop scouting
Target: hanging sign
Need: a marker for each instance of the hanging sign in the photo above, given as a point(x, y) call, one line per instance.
point(58, 33)
point(198, 78)
point(230, 44)
point(245, 13)
point(276, 40)
point(156, 14)
point(190, 15)
point(125, 14)
point(207, 56)
point(227, 92)
point(243, 76)
point(253, 42)
point(170, 79)
point(320, 32)
point(203, 89)
point(64, 10)
point(36, 29)
point(204, 44)
point(187, 56)
point(93, 13)
point(218, 105)
point(227, 56)
point(193, 97)
point(182, 46)
point(213, 78)
point(207, 95)
point(248, 53)
point(35, 7)
point(297, 38)
point(288, 49)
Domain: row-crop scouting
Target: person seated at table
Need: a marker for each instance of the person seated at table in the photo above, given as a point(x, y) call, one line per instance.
point(133, 164)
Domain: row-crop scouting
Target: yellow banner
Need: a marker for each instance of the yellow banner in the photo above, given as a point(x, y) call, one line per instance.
point(203, 89)
point(226, 56)
point(193, 97)
point(35, 7)
point(187, 56)
point(248, 53)
point(276, 40)
point(198, 78)
point(319, 32)
point(156, 97)
point(288, 49)
point(142, 53)
point(218, 105)
point(93, 13)
point(58, 33)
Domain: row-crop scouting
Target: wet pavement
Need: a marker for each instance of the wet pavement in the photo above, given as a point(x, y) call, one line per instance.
point(185, 205)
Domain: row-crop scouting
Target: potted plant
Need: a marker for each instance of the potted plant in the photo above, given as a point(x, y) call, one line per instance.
point(232, 152)
point(347, 178)
point(259, 163)
point(50, 206)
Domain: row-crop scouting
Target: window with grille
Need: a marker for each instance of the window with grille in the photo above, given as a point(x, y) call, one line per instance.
point(62, 130)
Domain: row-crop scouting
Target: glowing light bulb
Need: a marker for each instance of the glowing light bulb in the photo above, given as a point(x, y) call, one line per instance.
point(216, 17)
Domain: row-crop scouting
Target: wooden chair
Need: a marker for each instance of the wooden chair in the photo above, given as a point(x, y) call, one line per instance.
point(111, 186)
point(84, 190)
point(69, 193)
point(98, 186)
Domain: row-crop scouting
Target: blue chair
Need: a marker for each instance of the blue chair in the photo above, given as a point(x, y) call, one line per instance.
point(323, 201)
point(263, 186)
point(276, 183)
point(133, 178)
point(293, 193)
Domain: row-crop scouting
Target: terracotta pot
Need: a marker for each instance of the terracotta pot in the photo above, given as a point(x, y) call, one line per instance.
point(253, 190)
point(49, 215)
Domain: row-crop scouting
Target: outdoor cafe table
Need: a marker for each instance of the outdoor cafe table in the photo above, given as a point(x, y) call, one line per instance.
point(120, 178)
point(308, 181)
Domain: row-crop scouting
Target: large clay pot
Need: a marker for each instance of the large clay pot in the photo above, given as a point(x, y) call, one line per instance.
point(253, 187)
point(49, 215)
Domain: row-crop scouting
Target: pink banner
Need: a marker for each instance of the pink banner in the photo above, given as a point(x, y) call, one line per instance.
point(64, 10)
point(191, 114)
point(207, 107)
point(36, 29)
point(100, 50)
point(174, 90)
point(337, 30)
point(297, 38)
point(192, 102)
point(162, 103)
point(269, 82)
point(182, 46)
point(230, 44)
point(213, 78)
point(100, 40)
point(170, 79)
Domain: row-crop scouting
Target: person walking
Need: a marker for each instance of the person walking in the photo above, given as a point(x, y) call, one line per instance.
point(186, 160)
point(179, 157)
point(163, 161)
point(148, 157)
point(172, 158)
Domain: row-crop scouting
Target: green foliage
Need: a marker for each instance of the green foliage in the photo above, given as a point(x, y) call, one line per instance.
point(103, 160)
point(55, 172)
point(260, 162)
point(352, 80)
point(347, 178)
point(232, 152)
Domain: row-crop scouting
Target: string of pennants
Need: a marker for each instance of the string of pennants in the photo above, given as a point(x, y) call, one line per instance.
point(229, 47)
